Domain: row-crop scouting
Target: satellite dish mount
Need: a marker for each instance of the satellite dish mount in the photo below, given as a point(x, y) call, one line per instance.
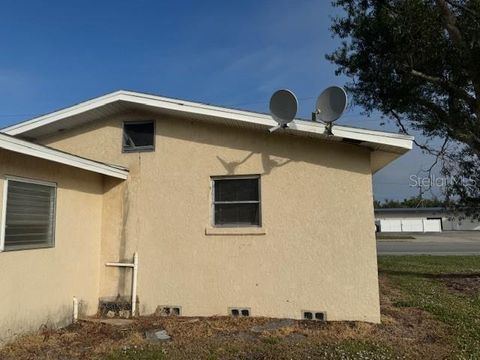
point(330, 105)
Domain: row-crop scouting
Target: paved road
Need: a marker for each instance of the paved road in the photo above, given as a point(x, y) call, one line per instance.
point(445, 243)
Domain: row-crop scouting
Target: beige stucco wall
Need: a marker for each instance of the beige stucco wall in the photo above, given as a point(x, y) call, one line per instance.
point(38, 285)
point(318, 251)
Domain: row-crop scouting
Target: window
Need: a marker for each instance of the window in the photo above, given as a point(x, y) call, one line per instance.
point(236, 201)
point(138, 136)
point(28, 214)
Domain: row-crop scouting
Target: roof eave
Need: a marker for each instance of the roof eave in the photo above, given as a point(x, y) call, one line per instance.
point(396, 143)
point(43, 152)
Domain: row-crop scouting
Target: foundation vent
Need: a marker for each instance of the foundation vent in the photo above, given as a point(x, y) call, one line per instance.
point(314, 315)
point(168, 310)
point(239, 312)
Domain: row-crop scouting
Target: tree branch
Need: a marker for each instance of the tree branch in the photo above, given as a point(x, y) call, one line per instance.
point(450, 22)
point(471, 101)
point(450, 19)
point(404, 130)
point(463, 7)
point(440, 155)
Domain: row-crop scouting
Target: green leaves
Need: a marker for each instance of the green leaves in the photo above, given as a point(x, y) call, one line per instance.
point(417, 62)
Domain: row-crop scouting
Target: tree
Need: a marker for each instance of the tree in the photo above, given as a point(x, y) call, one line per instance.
point(413, 202)
point(418, 63)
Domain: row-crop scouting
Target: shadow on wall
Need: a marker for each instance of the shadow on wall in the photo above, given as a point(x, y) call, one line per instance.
point(268, 163)
point(121, 199)
point(329, 153)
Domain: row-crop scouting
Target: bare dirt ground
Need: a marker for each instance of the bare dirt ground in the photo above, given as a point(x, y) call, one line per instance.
point(405, 333)
point(464, 285)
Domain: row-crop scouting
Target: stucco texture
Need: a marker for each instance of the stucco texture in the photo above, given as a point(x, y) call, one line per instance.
point(38, 285)
point(315, 249)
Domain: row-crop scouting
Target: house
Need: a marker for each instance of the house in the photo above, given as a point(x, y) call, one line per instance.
point(225, 217)
point(434, 219)
point(50, 233)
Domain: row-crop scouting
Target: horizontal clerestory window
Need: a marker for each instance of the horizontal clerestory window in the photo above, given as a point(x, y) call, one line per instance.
point(236, 201)
point(28, 214)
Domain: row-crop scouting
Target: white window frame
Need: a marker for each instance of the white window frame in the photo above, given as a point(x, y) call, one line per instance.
point(4, 210)
point(259, 202)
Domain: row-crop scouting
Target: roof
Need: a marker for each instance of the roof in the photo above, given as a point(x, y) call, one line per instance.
point(14, 144)
point(122, 100)
point(411, 210)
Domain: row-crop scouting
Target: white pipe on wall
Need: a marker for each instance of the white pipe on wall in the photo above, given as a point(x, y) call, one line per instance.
point(75, 309)
point(134, 283)
point(134, 267)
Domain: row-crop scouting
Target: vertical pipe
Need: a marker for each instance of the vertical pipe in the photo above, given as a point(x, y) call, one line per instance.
point(75, 309)
point(134, 283)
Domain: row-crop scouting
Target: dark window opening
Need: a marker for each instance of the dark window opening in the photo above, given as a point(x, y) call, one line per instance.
point(138, 136)
point(30, 215)
point(236, 201)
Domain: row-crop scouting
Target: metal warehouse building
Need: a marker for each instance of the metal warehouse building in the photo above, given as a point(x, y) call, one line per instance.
point(421, 220)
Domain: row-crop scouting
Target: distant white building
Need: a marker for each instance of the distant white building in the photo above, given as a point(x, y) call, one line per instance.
point(435, 219)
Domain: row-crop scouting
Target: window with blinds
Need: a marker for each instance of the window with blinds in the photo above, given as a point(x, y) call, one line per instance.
point(29, 215)
point(236, 201)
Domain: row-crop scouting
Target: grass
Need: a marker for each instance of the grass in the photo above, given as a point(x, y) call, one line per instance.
point(430, 310)
point(393, 237)
point(422, 281)
point(427, 264)
point(273, 349)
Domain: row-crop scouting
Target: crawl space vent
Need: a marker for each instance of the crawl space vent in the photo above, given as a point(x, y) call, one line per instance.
point(239, 312)
point(314, 315)
point(169, 310)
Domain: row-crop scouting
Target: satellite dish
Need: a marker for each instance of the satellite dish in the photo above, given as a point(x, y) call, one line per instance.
point(283, 107)
point(331, 104)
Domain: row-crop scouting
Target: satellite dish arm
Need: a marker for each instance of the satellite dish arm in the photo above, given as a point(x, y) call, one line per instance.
point(275, 128)
point(328, 128)
point(279, 126)
point(328, 125)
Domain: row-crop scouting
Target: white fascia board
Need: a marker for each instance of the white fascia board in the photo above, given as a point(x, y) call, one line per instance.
point(384, 138)
point(42, 152)
point(403, 142)
point(43, 120)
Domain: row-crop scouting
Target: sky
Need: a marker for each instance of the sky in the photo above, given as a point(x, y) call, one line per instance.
point(233, 53)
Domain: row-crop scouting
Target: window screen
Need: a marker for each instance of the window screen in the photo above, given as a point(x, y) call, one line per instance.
point(30, 215)
point(138, 136)
point(236, 201)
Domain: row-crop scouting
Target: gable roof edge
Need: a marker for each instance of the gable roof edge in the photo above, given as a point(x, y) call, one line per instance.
point(16, 145)
point(401, 142)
